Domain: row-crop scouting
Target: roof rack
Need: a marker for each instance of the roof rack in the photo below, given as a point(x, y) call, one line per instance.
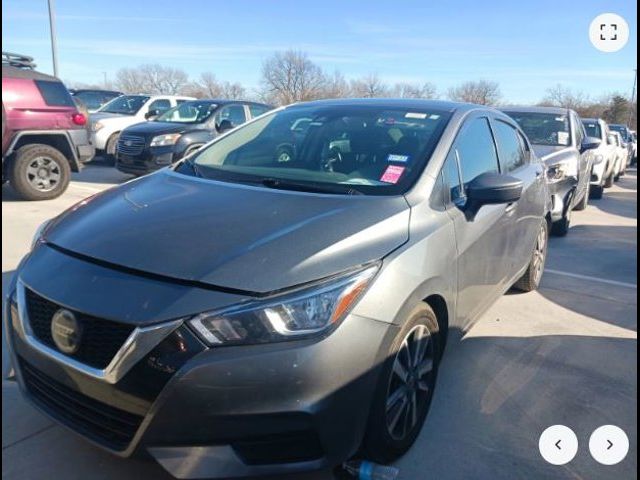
point(17, 60)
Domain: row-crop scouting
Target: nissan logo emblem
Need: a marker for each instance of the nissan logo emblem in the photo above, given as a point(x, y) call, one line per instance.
point(66, 331)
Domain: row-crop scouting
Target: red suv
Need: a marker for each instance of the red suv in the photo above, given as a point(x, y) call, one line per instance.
point(44, 135)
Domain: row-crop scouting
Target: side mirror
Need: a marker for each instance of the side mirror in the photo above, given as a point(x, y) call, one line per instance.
point(224, 125)
point(152, 114)
point(611, 139)
point(491, 189)
point(590, 143)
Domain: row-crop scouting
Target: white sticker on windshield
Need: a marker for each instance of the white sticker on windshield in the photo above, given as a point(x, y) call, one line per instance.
point(418, 115)
point(397, 158)
point(434, 117)
point(563, 138)
point(561, 119)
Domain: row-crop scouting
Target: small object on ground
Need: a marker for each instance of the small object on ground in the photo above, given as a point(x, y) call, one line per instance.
point(364, 470)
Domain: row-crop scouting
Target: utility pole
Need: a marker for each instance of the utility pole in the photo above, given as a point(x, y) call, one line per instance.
point(52, 28)
point(633, 97)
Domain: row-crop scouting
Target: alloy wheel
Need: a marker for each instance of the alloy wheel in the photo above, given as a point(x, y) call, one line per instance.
point(411, 382)
point(43, 174)
point(540, 255)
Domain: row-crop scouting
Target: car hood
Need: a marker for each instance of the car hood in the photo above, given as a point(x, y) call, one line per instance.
point(550, 154)
point(227, 235)
point(100, 116)
point(157, 128)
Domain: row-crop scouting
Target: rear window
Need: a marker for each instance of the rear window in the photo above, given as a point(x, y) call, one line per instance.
point(55, 94)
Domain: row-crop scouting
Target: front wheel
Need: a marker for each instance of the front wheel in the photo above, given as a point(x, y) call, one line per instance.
point(597, 192)
point(39, 172)
point(530, 281)
point(110, 150)
point(405, 388)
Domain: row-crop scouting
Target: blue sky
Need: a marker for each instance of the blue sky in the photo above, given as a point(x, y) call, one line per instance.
point(527, 46)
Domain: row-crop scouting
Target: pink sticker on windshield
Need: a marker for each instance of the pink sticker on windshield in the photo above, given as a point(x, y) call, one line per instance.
point(392, 174)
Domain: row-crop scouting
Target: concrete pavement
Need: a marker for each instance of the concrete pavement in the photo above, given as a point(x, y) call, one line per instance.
point(564, 355)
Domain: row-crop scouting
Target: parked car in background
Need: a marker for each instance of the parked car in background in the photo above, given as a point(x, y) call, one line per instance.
point(124, 111)
point(560, 140)
point(634, 137)
point(605, 156)
point(627, 140)
point(94, 99)
point(622, 156)
point(145, 147)
point(44, 135)
point(273, 317)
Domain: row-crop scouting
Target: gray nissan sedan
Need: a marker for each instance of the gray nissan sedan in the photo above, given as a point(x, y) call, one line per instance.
point(280, 300)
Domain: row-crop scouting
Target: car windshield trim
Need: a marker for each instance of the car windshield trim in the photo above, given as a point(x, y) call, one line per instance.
point(353, 149)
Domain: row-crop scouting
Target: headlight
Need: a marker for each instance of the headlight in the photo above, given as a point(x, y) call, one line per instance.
point(561, 170)
point(97, 126)
point(304, 313)
point(37, 237)
point(164, 140)
point(598, 159)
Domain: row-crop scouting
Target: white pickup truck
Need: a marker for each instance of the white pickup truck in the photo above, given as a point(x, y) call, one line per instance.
point(124, 111)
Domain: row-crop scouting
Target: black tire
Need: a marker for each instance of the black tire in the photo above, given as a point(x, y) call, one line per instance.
point(608, 183)
point(26, 184)
point(110, 149)
point(530, 281)
point(379, 444)
point(597, 192)
point(583, 203)
point(561, 227)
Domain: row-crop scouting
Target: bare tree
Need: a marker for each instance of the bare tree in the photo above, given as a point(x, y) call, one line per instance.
point(560, 96)
point(482, 92)
point(414, 90)
point(210, 85)
point(291, 76)
point(151, 78)
point(336, 86)
point(370, 86)
point(232, 90)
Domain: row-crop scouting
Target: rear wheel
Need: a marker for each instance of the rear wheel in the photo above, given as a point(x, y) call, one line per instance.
point(531, 279)
point(405, 388)
point(39, 172)
point(608, 183)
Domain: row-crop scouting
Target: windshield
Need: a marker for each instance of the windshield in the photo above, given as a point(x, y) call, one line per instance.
point(593, 129)
point(544, 128)
point(94, 100)
point(338, 149)
point(188, 112)
point(622, 130)
point(125, 105)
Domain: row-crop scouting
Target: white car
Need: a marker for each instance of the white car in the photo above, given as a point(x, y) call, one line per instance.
point(605, 156)
point(621, 156)
point(124, 111)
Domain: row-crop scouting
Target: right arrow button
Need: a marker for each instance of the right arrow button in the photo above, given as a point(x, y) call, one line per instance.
point(609, 445)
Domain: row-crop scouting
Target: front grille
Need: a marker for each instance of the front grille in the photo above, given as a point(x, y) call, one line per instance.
point(130, 144)
point(100, 341)
point(102, 423)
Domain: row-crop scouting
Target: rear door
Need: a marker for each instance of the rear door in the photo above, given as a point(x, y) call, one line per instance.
point(516, 159)
point(483, 243)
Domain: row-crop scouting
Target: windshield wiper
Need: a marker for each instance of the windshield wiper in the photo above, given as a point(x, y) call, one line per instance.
point(280, 184)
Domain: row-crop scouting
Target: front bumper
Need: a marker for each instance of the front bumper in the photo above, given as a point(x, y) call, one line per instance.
point(150, 160)
point(220, 412)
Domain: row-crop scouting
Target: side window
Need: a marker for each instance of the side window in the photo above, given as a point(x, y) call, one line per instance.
point(257, 110)
point(161, 105)
point(451, 177)
point(234, 113)
point(512, 154)
point(55, 94)
point(476, 150)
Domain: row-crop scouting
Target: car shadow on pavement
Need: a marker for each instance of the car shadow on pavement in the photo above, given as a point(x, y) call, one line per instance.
point(100, 172)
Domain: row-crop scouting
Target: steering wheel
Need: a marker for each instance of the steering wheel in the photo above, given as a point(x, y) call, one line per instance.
point(334, 156)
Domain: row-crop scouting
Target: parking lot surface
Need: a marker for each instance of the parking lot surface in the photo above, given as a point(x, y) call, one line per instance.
point(566, 354)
